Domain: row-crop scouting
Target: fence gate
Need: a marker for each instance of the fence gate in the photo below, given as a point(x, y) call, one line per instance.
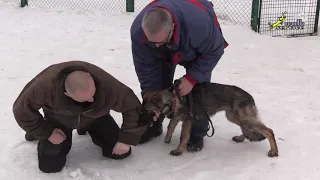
point(285, 17)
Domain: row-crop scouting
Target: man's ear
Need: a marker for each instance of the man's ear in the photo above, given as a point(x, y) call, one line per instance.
point(89, 75)
point(65, 93)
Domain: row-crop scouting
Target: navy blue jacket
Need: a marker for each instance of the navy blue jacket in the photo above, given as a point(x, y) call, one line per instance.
point(198, 43)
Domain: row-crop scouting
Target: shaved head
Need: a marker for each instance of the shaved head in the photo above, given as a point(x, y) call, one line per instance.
point(80, 86)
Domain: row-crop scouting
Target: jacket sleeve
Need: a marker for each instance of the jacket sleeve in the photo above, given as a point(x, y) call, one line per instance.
point(129, 105)
point(209, 43)
point(148, 68)
point(26, 111)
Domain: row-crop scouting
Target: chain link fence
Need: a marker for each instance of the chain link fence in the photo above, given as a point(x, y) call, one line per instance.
point(140, 4)
point(289, 18)
point(105, 5)
point(109, 5)
point(91, 5)
point(233, 11)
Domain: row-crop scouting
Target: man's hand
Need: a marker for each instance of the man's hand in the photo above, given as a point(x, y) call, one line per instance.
point(185, 87)
point(120, 148)
point(57, 136)
point(157, 114)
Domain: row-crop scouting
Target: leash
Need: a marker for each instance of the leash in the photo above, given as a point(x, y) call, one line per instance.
point(192, 109)
point(206, 114)
point(190, 97)
point(208, 118)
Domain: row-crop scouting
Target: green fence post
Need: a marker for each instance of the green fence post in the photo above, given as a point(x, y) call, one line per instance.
point(255, 15)
point(24, 3)
point(130, 5)
point(259, 16)
point(317, 18)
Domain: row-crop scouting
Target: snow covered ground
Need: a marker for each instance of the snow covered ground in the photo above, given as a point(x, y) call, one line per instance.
point(282, 74)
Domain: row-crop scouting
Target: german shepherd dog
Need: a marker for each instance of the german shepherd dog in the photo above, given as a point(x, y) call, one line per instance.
point(209, 98)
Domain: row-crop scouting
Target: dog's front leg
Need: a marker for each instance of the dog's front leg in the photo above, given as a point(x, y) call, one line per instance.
point(185, 135)
point(171, 127)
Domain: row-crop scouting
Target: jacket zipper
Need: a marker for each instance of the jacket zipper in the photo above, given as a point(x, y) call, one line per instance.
point(79, 117)
point(78, 121)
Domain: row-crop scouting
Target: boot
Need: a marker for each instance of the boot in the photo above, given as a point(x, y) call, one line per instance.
point(153, 131)
point(29, 137)
point(81, 132)
point(195, 144)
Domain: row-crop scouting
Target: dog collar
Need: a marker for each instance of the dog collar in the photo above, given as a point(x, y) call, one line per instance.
point(171, 105)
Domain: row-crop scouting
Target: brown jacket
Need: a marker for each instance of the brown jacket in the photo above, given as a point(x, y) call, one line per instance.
point(46, 91)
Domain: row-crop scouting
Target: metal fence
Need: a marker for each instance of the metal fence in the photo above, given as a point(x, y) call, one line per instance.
point(286, 18)
point(104, 5)
point(233, 11)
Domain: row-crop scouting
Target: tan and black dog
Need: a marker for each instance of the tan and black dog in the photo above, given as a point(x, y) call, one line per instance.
point(210, 98)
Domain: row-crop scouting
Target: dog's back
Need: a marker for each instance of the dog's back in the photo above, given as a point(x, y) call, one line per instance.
point(216, 97)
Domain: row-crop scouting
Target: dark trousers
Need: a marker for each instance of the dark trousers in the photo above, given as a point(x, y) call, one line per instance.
point(199, 127)
point(104, 133)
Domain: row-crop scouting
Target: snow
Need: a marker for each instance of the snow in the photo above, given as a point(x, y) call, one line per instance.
point(282, 74)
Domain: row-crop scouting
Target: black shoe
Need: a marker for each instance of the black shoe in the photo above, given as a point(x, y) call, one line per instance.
point(154, 131)
point(81, 132)
point(195, 145)
point(116, 156)
point(29, 137)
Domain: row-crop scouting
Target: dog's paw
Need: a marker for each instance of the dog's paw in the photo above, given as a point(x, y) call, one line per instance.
point(175, 153)
point(273, 153)
point(238, 139)
point(167, 141)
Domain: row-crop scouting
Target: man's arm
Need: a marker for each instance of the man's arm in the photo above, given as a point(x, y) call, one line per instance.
point(120, 98)
point(129, 105)
point(26, 111)
point(209, 43)
point(148, 68)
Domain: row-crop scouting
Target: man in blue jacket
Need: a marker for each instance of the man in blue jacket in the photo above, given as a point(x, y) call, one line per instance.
point(166, 33)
